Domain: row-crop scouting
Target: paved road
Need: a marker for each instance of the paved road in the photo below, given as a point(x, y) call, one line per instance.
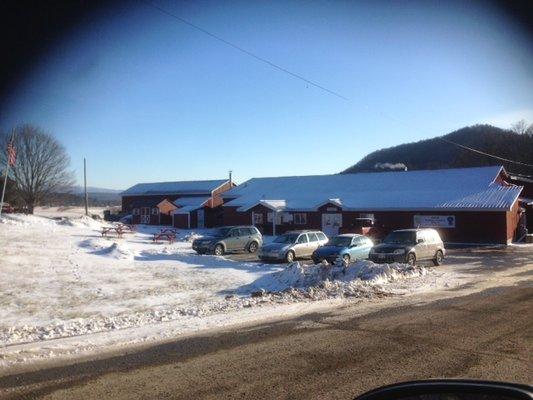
point(333, 355)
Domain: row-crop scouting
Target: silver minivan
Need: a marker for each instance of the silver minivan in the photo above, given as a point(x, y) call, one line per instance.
point(292, 245)
point(409, 246)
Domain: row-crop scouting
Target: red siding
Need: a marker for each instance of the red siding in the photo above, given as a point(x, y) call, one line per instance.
point(470, 227)
point(181, 221)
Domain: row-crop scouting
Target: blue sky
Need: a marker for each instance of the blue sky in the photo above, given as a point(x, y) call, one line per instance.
point(147, 98)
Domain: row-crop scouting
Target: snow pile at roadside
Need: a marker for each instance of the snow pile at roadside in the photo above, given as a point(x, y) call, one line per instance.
point(298, 276)
point(295, 284)
point(81, 222)
point(109, 248)
point(25, 220)
point(191, 237)
point(119, 251)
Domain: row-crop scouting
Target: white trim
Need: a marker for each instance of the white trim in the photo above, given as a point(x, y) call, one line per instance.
point(218, 187)
point(335, 202)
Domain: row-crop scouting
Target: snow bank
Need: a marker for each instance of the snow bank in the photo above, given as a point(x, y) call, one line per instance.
point(83, 221)
point(25, 220)
point(295, 284)
point(119, 251)
point(303, 277)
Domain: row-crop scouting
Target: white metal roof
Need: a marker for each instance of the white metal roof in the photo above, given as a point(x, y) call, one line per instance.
point(181, 187)
point(457, 189)
point(188, 204)
point(191, 201)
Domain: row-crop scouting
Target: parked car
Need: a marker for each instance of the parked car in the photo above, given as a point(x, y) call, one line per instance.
point(292, 245)
point(348, 247)
point(7, 209)
point(409, 246)
point(229, 239)
point(127, 219)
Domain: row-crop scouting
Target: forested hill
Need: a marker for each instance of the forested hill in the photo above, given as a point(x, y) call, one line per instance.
point(437, 154)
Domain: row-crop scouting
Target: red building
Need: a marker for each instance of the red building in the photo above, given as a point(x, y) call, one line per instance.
point(185, 204)
point(467, 205)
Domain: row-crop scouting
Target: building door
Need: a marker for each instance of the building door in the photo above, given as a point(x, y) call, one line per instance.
point(331, 224)
point(145, 219)
point(200, 218)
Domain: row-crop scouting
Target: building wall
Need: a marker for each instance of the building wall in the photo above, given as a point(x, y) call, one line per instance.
point(127, 201)
point(470, 227)
point(153, 219)
point(180, 221)
point(514, 218)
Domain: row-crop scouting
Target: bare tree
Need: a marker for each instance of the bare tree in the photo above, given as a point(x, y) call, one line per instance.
point(41, 166)
point(522, 127)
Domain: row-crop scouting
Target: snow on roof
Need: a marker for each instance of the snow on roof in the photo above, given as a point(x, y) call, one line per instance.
point(459, 189)
point(187, 204)
point(181, 187)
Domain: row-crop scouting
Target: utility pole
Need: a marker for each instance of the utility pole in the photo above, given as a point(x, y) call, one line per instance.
point(8, 163)
point(85, 186)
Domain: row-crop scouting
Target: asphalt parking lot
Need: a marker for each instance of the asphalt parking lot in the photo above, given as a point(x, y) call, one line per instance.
point(454, 254)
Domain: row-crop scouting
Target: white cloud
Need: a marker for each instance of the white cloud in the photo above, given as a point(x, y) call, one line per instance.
point(505, 120)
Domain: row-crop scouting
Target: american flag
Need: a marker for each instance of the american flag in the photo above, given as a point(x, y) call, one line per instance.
point(11, 154)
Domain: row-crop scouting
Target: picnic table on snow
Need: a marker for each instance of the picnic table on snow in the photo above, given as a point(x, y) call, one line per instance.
point(165, 234)
point(120, 230)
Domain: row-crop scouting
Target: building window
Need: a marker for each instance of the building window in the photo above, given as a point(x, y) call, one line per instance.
point(258, 218)
point(300, 218)
point(155, 211)
point(270, 215)
point(136, 211)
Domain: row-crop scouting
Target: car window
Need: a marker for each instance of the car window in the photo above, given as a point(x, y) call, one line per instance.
point(234, 233)
point(287, 238)
point(321, 236)
point(357, 241)
point(302, 238)
point(312, 237)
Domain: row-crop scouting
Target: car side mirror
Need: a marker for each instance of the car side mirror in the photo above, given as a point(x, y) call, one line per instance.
point(450, 389)
point(419, 241)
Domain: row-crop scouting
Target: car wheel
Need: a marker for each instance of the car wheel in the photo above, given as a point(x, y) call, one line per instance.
point(411, 259)
point(346, 258)
point(438, 258)
point(252, 247)
point(289, 257)
point(219, 250)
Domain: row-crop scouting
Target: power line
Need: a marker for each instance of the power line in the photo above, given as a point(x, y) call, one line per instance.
point(486, 154)
point(249, 53)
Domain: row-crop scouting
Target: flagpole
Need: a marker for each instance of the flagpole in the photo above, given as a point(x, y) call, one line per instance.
point(5, 175)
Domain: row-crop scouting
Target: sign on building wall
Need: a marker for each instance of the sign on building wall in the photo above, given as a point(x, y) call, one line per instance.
point(434, 221)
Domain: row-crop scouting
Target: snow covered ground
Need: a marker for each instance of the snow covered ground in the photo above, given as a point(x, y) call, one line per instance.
point(59, 279)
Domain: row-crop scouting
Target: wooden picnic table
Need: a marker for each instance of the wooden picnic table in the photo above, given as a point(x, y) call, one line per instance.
point(165, 234)
point(120, 230)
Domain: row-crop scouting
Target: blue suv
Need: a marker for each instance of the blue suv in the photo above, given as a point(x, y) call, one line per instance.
point(348, 247)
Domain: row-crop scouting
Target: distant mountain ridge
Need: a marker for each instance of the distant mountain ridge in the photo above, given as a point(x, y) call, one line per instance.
point(92, 189)
point(437, 154)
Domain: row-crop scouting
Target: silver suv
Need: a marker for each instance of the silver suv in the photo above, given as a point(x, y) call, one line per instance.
point(292, 245)
point(229, 239)
point(409, 246)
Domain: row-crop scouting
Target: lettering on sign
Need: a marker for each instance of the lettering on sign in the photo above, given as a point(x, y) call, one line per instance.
point(434, 221)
